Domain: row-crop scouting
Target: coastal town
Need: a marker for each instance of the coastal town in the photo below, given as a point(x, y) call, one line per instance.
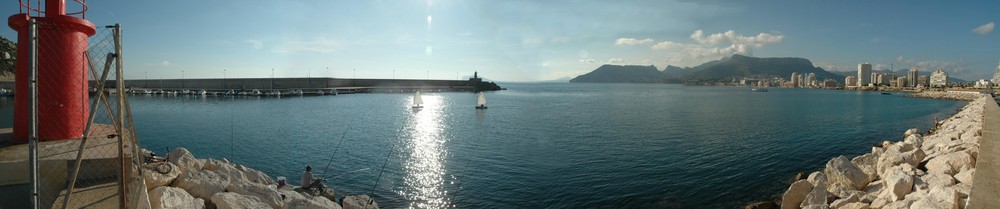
point(865, 79)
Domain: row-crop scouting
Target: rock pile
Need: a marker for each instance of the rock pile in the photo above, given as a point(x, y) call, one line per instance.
point(210, 183)
point(932, 171)
point(965, 96)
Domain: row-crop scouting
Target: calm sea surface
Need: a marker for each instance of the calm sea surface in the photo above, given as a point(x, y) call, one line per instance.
point(540, 145)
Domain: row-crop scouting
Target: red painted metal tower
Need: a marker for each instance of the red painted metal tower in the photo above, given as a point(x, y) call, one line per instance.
point(62, 71)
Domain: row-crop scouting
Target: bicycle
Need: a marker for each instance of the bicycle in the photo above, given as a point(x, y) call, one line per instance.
point(159, 163)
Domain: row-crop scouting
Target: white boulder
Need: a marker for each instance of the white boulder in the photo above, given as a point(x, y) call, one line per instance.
point(897, 185)
point(937, 180)
point(949, 163)
point(184, 160)
point(173, 197)
point(261, 192)
point(361, 201)
point(840, 169)
point(854, 205)
point(155, 179)
point(201, 184)
point(791, 199)
point(229, 200)
point(817, 196)
point(938, 198)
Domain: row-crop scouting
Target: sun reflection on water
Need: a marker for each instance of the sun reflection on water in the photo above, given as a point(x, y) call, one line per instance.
point(424, 167)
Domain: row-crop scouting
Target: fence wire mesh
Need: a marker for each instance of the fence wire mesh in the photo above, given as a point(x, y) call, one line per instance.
point(88, 155)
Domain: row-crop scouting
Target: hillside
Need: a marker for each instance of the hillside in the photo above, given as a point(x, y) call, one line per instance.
point(724, 69)
point(622, 74)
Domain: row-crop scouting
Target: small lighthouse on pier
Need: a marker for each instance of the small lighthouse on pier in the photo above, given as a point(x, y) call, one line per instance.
point(62, 71)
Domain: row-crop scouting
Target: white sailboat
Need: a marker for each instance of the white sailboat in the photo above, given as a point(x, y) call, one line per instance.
point(417, 101)
point(481, 101)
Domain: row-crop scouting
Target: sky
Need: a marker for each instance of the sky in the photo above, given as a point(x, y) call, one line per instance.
point(524, 40)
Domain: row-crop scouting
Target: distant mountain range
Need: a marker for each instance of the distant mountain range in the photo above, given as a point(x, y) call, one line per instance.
point(725, 69)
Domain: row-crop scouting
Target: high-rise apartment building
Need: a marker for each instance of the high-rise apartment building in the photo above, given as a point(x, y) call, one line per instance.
point(864, 74)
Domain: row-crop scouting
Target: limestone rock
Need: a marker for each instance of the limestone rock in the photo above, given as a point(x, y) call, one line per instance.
point(791, 199)
point(897, 154)
point(201, 184)
point(316, 202)
point(817, 178)
point(949, 163)
point(868, 164)
point(963, 190)
point(229, 172)
point(156, 179)
point(938, 180)
point(768, 204)
point(915, 140)
point(844, 201)
point(841, 190)
point(229, 200)
point(855, 205)
point(360, 201)
point(817, 196)
point(902, 204)
point(966, 176)
point(897, 185)
point(840, 169)
point(256, 176)
point(816, 207)
point(184, 160)
point(939, 197)
point(173, 197)
point(910, 132)
point(263, 193)
point(880, 202)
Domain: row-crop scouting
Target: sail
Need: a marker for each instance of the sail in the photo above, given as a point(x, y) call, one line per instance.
point(481, 101)
point(417, 101)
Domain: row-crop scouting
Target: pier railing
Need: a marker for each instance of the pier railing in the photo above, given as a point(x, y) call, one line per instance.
point(82, 150)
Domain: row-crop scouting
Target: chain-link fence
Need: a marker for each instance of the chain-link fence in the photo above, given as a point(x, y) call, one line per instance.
point(87, 150)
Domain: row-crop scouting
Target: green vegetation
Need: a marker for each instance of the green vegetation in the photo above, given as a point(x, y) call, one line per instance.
point(8, 55)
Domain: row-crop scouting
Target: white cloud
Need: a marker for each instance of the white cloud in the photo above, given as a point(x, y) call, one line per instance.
point(757, 41)
point(632, 41)
point(957, 67)
point(311, 45)
point(257, 44)
point(668, 45)
point(714, 46)
point(984, 29)
point(587, 60)
point(165, 63)
point(546, 63)
point(616, 60)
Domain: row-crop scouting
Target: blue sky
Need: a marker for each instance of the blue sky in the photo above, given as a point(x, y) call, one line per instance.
point(520, 40)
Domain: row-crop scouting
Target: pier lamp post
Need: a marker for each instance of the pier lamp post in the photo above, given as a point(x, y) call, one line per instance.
point(145, 79)
point(224, 78)
point(182, 79)
point(272, 78)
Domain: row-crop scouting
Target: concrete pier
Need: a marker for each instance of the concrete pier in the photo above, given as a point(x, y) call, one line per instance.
point(986, 189)
point(310, 85)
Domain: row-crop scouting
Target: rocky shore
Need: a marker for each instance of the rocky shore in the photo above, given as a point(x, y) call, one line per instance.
point(211, 183)
point(932, 170)
point(948, 95)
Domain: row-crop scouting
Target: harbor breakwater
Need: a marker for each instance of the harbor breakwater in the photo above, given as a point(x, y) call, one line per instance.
point(930, 170)
point(211, 183)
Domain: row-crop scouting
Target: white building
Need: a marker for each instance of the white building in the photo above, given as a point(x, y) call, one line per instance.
point(795, 80)
point(911, 78)
point(939, 78)
point(864, 74)
point(983, 83)
point(811, 79)
point(851, 81)
point(996, 76)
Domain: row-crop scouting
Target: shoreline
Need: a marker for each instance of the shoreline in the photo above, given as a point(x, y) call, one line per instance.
point(915, 171)
point(212, 183)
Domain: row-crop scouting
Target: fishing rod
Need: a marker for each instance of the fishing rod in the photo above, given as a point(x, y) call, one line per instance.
point(371, 192)
point(465, 171)
point(342, 136)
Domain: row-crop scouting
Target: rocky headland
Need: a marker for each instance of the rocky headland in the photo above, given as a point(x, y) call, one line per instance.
point(211, 183)
point(930, 170)
point(965, 96)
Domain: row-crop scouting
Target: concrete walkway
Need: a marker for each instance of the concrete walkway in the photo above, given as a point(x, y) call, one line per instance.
point(986, 182)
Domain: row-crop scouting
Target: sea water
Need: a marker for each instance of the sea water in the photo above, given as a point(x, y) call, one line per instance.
point(539, 145)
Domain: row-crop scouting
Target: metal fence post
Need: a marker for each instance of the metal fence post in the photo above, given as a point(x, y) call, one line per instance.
point(33, 109)
point(120, 86)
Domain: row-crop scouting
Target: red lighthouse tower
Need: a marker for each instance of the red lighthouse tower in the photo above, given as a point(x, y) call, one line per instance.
point(62, 71)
